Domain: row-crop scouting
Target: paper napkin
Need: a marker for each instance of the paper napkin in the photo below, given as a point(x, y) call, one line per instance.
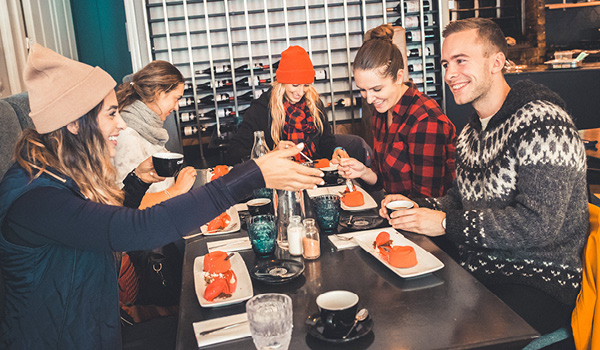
point(341, 244)
point(224, 335)
point(229, 245)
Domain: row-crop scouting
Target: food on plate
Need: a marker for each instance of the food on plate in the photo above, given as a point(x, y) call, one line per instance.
point(353, 199)
point(219, 171)
point(219, 223)
point(322, 163)
point(397, 256)
point(220, 279)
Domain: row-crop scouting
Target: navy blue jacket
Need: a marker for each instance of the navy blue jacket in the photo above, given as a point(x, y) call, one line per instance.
point(56, 253)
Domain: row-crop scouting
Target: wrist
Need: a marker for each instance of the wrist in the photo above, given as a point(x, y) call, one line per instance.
point(134, 176)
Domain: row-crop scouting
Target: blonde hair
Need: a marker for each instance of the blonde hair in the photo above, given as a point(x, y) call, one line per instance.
point(84, 157)
point(278, 111)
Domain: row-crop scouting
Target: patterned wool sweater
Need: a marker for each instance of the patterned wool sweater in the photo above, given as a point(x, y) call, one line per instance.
point(518, 211)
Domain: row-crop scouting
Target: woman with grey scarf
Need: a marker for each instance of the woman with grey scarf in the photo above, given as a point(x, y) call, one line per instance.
point(144, 104)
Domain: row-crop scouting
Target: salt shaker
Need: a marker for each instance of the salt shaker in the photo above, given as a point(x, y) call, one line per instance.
point(295, 233)
point(311, 241)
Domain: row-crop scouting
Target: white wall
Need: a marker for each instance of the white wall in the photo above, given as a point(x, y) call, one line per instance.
point(47, 22)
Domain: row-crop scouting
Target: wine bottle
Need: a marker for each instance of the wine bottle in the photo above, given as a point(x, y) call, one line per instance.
point(218, 97)
point(217, 69)
point(345, 102)
point(190, 130)
point(185, 117)
point(218, 84)
point(413, 21)
point(416, 51)
point(184, 102)
point(413, 6)
point(320, 74)
point(415, 35)
point(418, 67)
point(249, 82)
point(221, 113)
point(260, 147)
point(249, 96)
point(257, 67)
point(419, 79)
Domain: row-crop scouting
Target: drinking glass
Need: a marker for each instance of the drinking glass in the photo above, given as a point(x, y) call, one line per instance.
point(263, 193)
point(270, 317)
point(327, 210)
point(262, 233)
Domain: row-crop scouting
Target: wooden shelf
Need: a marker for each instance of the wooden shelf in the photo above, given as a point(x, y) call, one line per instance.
point(568, 6)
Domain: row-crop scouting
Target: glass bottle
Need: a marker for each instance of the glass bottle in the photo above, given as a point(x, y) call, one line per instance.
point(311, 241)
point(295, 232)
point(260, 145)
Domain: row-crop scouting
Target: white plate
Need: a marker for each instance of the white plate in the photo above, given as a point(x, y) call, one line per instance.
point(242, 292)
point(369, 201)
point(426, 262)
point(233, 226)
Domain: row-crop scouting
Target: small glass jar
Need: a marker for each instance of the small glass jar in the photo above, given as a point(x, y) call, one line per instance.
point(295, 233)
point(311, 241)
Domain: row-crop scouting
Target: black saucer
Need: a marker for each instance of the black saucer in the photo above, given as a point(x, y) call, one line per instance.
point(340, 181)
point(361, 223)
point(315, 328)
point(277, 271)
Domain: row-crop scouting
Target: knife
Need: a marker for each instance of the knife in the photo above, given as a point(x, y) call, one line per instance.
point(210, 331)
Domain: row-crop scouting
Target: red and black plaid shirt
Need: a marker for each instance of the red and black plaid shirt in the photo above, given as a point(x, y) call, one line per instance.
point(414, 156)
point(299, 127)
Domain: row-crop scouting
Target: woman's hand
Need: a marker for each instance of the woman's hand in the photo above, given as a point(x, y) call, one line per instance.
point(351, 168)
point(146, 172)
point(419, 220)
point(284, 145)
point(281, 173)
point(337, 154)
point(185, 181)
point(390, 198)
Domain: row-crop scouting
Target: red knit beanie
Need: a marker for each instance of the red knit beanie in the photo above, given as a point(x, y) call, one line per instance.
point(295, 67)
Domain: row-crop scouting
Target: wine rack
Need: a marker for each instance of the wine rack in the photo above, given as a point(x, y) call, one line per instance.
point(229, 51)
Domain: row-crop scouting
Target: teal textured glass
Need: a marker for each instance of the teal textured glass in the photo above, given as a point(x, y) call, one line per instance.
point(327, 210)
point(262, 233)
point(263, 193)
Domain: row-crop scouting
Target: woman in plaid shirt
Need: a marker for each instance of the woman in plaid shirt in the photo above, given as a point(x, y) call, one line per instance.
point(414, 141)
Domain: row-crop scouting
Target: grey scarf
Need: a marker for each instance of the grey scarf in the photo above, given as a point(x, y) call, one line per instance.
point(147, 123)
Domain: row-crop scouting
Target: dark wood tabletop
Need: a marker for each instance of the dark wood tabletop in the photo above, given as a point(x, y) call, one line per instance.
point(448, 309)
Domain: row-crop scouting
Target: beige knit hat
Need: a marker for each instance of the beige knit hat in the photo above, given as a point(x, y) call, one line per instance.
point(62, 90)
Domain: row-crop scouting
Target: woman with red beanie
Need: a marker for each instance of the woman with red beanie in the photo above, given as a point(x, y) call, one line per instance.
point(290, 112)
point(62, 216)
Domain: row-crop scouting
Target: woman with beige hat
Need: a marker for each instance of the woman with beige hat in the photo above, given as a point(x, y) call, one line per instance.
point(61, 214)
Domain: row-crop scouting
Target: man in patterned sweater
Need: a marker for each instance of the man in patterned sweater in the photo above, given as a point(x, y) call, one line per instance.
point(518, 211)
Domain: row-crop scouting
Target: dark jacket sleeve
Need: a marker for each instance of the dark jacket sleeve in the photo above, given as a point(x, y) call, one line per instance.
point(88, 225)
point(327, 141)
point(255, 118)
point(134, 189)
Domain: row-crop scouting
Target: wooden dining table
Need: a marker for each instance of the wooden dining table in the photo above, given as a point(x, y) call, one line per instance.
point(446, 309)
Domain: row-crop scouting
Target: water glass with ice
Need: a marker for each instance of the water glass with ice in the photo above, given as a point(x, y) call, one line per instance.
point(271, 321)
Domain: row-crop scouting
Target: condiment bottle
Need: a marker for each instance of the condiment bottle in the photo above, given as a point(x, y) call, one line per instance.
point(295, 233)
point(310, 241)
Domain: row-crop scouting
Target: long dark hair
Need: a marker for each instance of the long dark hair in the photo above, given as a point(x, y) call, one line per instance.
point(379, 52)
point(84, 157)
point(155, 77)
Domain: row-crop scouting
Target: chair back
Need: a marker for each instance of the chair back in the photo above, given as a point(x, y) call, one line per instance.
point(14, 117)
point(585, 320)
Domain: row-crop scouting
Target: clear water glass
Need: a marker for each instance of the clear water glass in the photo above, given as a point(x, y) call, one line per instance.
point(271, 321)
point(263, 233)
